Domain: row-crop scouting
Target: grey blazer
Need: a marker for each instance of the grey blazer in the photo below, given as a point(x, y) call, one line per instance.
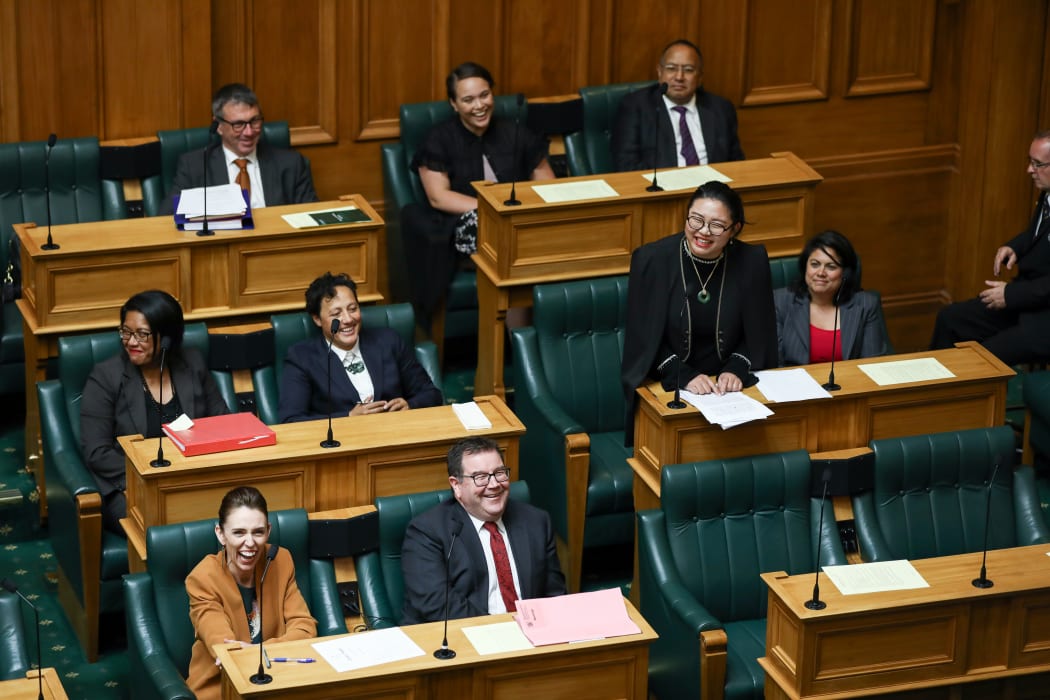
point(863, 329)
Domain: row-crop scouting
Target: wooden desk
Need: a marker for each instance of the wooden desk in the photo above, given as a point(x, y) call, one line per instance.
point(860, 412)
point(80, 287)
point(381, 455)
point(607, 668)
point(934, 638)
point(28, 688)
point(539, 242)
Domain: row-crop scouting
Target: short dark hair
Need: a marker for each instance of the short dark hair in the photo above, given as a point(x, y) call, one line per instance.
point(163, 313)
point(237, 93)
point(1043, 135)
point(324, 288)
point(464, 71)
point(837, 246)
point(682, 42)
point(713, 189)
point(242, 496)
point(468, 446)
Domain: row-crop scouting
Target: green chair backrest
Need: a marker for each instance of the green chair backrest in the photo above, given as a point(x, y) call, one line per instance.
point(600, 104)
point(14, 658)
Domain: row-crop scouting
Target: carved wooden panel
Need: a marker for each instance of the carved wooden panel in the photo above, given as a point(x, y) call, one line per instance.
point(890, 45)
point(788, 51)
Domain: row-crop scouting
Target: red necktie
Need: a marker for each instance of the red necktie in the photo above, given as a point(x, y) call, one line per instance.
point(503, 573)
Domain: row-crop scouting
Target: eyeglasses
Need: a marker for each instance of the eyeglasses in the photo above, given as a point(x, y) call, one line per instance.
point(1036, 164)
point(125, 333)
point(673, 68)
point(715, 228)
point(238, 127)
point(502, 476)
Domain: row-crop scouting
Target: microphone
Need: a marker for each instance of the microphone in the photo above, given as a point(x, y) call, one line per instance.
point(513, 201)
point(662, 90)
point(50, 245)
point(205, 231)
point(444, 653)
point(830, 385)
point(330, 441)
point(816, 603)
point(165, 343)
point(983, 581)
point(676, 402)
point(11, 587)
point(261, 677)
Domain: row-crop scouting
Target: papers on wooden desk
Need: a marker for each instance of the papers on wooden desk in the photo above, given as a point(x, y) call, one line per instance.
point(923, 369)
point(785, 385)
point(367, 649)
point(574, 191)
point(576, 617)
point(727, 410)
point(471, 416)
point(686, 178)
point(325, 217)
point(497, 638)
point(852, 579)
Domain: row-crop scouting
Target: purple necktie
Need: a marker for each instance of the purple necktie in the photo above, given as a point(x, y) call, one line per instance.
point(688, 149)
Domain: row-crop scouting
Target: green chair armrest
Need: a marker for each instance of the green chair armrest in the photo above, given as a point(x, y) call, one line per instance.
point(576, 155)
point(152, 194)
point(264, 382)
point(375, 604)
point(873, 546)
point(114, 206)
point(153, 674)
point(427, 355)
point(14, 657)
point(398, 190)
point(1029, 522)
point(324, 598)
point(531, 380)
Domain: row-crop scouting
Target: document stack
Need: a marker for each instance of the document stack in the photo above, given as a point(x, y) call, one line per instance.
point(225, 208)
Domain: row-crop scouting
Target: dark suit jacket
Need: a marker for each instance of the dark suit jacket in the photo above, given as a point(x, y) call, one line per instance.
point(1030, 289)
point(285, 175)
point(394, 370)
point(860, 323)
point(426, 545)
point(114, 403)
point(642, 124)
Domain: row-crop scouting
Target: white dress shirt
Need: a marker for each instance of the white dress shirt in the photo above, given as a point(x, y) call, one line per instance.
point(233, 170)
point(362, 381)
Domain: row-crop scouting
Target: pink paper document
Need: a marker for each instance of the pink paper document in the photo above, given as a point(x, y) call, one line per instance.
point(576, 617)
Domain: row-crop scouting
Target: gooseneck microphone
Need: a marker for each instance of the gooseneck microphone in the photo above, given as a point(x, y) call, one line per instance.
point(830, 385)
point(11, 587)
point(261, 677)
point(50, 245)
point(816, 603)
point(677, 403)
point(330, 441)
point(661, 91)
point(205, 231)
point(444, 653)
point(165, 344)
point(983, 581)
point(513, 201)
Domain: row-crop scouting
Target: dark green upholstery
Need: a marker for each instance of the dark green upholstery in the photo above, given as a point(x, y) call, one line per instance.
point(14, 654)
point(175, 142)
point(784, 271)
point(160, 635)
point(930, 491)
point(721, 524)
point(91, 560)
point(77, 194)
point(379, 578)
point(289, 329)
point(567, 392)
point(1035, 387)
point(588, 151)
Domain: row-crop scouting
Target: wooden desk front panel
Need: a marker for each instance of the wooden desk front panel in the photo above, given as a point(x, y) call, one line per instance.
point(935, 410)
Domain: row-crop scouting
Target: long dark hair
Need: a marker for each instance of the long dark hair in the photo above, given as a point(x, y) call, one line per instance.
point(836, 246)
point(164, 314)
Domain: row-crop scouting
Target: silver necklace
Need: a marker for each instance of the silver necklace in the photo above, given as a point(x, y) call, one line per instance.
point(703, 296)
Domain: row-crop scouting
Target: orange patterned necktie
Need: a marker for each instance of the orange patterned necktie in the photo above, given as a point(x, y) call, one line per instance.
point(243, 181)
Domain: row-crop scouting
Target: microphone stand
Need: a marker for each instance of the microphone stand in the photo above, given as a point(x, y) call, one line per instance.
point(830, 385)
point(816, 603)
point(205, 231)
point(662, 90)
point(261, 677)
point(10, 586)
point(50, 245)
point(983, 581)
point(444, 653)
point(677, 403)
point(513, 201)
point(330, 441)
point(165, 343)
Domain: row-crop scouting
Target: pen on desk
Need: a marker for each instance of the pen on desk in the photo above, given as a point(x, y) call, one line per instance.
point(292, 660)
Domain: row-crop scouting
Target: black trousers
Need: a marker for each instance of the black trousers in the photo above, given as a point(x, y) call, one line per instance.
point(430, 258)
point(1014, 337)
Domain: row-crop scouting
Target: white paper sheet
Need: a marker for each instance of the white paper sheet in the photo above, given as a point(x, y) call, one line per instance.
point(786, 385)
point(497, 638)
point(728, 410)
point(367, 649)
point(574, 191)
point(852, 579)
point(223, 200)
point(923, 369)
point(471, 416)
point(686, 178)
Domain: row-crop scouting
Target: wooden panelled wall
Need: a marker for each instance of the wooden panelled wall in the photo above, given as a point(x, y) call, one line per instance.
point(918, 113)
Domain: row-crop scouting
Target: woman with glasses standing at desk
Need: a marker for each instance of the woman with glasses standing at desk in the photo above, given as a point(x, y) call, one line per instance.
point(124, 394)
point(703, 298)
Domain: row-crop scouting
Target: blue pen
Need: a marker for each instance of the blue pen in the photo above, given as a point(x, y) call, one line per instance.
point(291, 660)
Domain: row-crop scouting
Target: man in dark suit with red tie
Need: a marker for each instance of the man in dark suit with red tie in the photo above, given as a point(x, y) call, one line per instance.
point(501, 550)
point(1012, 319)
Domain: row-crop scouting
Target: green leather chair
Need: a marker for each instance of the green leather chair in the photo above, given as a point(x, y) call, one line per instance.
point(14, 656)
point(379, 579)
point(402, 186)
point(160, 635)
point(721, 524)
point(289, 329)
point(175, 142)
point(1035, 387)
point(90, 559)
point(784, 271)
point(588, 151)
point(77, 194)
point(568, 395)
point(930, 493)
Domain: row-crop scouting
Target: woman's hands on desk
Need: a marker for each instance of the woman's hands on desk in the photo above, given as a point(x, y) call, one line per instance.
point(398, 404)
point(703, 384)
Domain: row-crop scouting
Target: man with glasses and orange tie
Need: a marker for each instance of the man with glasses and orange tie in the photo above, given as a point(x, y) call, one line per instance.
point(1012, 317)
point(497, 550)
point(684, 126)
point(271, 175)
